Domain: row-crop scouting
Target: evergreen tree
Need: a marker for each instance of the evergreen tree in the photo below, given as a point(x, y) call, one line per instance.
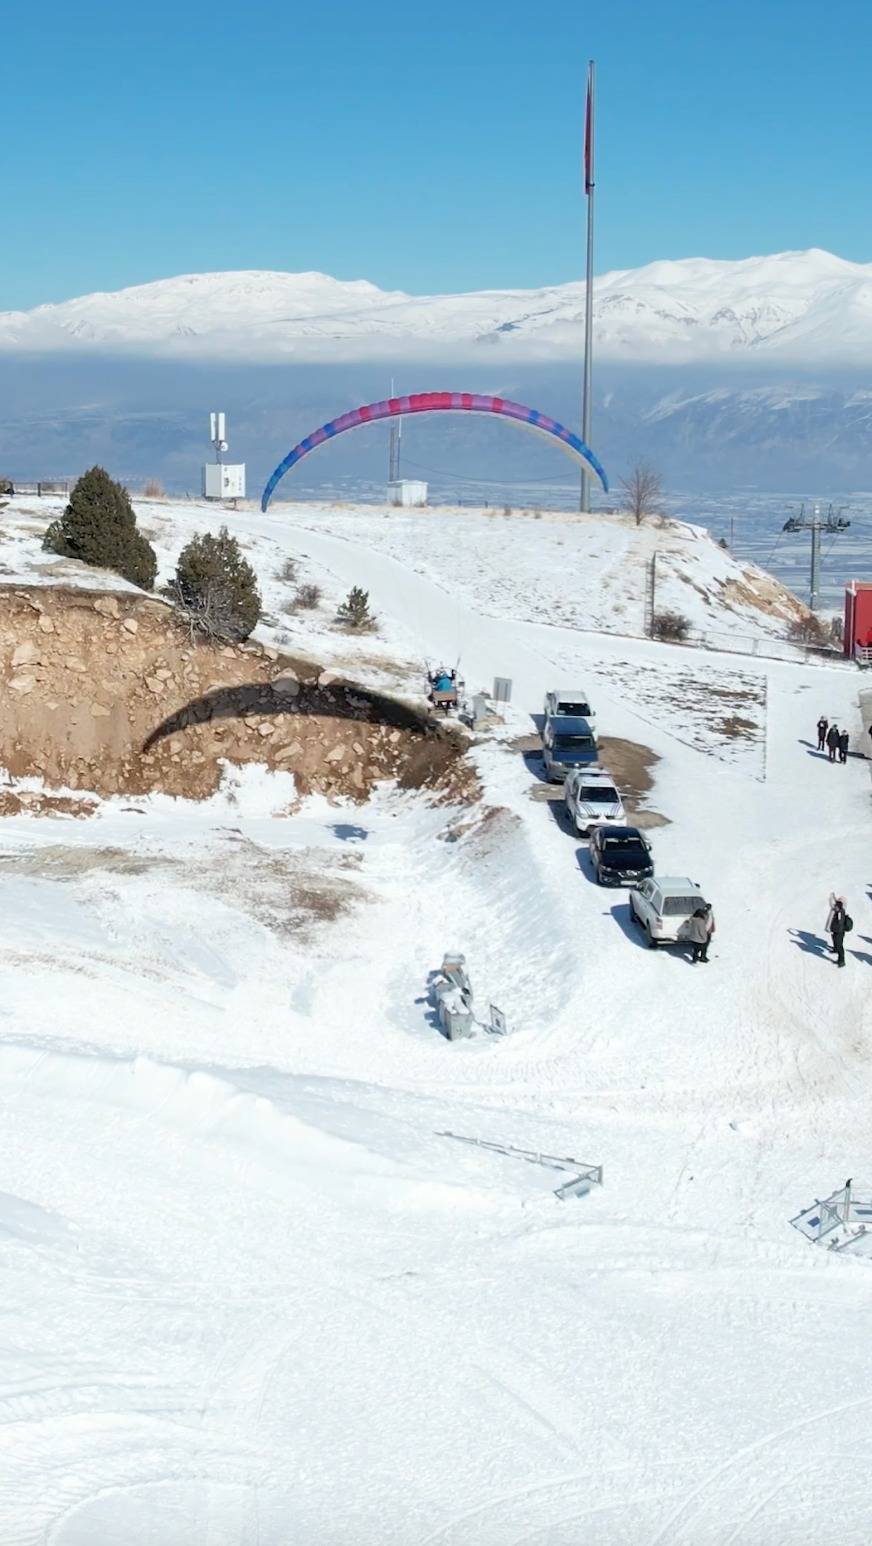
point(354, 611)
point(217, 586)
point(99, 528)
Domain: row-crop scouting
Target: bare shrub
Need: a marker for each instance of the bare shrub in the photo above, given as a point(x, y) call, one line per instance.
point(508, 510)
point(671, 626)
point(307, 598)
point(644, 491)
point(287, 571)
point(153, 489)
point(808, 630)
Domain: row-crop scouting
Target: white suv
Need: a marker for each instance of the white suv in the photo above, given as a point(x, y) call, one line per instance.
point(568, 700)
point(662, 906)
point(592, 800)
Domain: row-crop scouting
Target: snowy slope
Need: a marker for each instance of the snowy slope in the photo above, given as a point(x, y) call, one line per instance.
point(251, 1294)
point(806, 307)
point(565, 570)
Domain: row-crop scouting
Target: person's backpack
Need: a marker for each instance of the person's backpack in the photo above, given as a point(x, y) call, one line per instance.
point(849, 924)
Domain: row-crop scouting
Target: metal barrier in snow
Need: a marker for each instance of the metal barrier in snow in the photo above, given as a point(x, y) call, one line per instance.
point(840, 1222)
point(582, 1177)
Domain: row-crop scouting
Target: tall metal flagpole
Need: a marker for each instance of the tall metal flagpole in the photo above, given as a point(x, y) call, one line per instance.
point(588, 294)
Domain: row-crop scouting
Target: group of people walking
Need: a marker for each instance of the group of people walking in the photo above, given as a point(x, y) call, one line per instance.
point(832, 740)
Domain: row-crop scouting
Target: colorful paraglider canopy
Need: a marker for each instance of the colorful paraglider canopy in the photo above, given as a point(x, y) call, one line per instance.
point(440, 402)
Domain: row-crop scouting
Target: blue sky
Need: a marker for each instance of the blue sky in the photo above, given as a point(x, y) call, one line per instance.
point(428, 147)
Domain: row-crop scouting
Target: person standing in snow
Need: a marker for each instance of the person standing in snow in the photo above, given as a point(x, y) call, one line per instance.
point(844, 742)
point(838, 925)
point(700, 928)
point(832, 742)
point(823, 726)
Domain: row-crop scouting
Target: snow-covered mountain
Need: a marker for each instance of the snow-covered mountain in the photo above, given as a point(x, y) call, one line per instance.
point(794, 307)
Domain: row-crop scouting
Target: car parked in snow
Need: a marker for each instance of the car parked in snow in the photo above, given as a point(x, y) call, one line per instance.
point(591, 799)
point(620, 856)
point(571, 702)
point(567, 744)
point(663, 905)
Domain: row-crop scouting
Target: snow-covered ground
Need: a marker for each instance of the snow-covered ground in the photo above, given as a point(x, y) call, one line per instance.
point(252, 1294)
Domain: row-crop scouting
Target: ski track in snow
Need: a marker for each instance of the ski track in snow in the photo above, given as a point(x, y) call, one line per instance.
point(249, 1291)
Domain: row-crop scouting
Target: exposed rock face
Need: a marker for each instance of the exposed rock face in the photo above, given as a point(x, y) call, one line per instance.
point(107, 694)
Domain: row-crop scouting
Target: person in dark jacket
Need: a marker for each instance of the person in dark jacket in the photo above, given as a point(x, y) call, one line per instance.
point(844, 742)
point(832, 742)
point(838, 924)
point(823, 726)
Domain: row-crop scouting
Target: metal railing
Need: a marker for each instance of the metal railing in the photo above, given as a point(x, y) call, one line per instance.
point(43, 487)
point(840, 1222)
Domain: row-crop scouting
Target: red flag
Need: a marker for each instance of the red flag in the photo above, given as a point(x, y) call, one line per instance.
point(588, 134)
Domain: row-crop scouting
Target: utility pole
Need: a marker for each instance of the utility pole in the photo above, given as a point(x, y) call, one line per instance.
point(650, 591)
point(834, 523)
point(584, 503)
point(394, 445)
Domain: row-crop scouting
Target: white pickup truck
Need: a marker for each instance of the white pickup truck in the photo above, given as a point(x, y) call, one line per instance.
point(592, 800)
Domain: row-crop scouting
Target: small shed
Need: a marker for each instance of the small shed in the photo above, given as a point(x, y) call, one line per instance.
point(858, 621)
point(407, 491)
point(224, 480)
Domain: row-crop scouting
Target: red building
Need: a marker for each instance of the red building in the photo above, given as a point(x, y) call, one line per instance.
point(858, 619)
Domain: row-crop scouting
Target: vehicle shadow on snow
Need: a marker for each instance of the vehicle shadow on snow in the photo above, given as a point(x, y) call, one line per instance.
point(583, 860)
point(534, 762)
point(811, 943)
point(623, 915)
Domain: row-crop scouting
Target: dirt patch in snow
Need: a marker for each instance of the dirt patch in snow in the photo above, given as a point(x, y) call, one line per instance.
point(760, 590)
point(631, 765)
point(105, 693)
point(288, 892)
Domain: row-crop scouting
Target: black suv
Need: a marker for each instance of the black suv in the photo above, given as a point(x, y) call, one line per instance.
point(620, 856)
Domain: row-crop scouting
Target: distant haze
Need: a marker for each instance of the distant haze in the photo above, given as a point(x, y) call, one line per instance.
point(723, 375)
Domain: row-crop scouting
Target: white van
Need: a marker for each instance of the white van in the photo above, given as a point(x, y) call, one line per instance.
point(571, 701)
point(592, 800)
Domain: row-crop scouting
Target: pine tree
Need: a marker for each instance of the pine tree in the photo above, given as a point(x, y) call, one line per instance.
point(354, 611)
point(217, 587)
point(99, 528)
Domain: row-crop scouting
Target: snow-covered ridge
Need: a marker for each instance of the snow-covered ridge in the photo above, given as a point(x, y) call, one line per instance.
point(793, 306)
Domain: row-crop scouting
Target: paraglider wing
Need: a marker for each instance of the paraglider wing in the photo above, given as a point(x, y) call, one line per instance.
point(440, 402)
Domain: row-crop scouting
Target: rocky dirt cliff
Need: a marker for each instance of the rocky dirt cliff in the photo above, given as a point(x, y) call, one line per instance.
point(108, 693)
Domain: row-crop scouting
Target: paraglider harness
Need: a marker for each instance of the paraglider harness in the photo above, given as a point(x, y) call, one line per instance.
point(444, 687)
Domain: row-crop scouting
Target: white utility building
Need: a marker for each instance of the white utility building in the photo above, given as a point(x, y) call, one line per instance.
point(407, 491)
point(224, 480)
